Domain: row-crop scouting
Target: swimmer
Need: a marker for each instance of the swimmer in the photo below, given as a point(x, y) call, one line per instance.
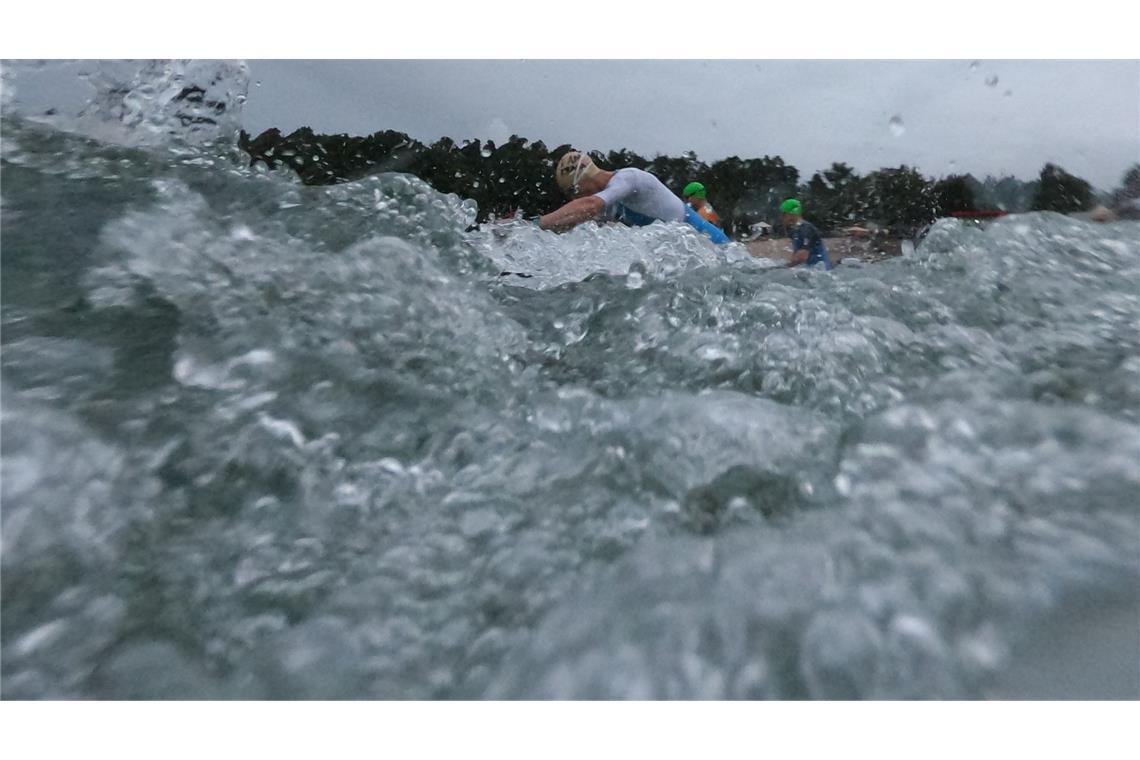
point(807, 245)
point(631, 196)
point(696, 196)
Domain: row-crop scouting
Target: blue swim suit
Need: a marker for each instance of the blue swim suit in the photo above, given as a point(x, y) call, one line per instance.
point(692, 218)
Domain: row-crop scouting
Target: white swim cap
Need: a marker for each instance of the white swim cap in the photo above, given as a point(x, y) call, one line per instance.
point(571, 168)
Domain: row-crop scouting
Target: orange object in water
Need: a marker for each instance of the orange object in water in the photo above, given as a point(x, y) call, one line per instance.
point(707, 213)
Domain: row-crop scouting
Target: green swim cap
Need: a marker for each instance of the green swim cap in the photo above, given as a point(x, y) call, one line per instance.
point(791, 206)
point(693, 190)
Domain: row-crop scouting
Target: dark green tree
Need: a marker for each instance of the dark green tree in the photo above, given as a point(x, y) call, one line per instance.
point(763, 183)
point(902, 199)
point(725, 181)
point(517, 177)
point(1060, 191)
point(1005, 193)
point(953, 193)
point(675, 172)
point(1126, 195)
point(835, 197)
point(621, 159)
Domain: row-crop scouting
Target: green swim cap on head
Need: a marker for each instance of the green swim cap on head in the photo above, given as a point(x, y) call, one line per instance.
point(791, 206)
point(693, 190)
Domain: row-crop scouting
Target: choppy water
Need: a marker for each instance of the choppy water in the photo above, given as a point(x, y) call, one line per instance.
point(267, 440)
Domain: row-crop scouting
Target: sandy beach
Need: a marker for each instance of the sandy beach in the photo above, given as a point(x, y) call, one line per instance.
point(838, 248)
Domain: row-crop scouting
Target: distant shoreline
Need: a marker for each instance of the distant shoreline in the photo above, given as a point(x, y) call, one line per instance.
point(838, 248)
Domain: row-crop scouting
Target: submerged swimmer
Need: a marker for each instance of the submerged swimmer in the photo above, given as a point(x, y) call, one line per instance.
point(631, 196)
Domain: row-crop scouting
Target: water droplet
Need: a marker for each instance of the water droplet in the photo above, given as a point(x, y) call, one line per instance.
point(257, 83)
point(1007, 93)
point(485, 153)
point(896, 125)
point(713, 123)
point(992, 81)
point(974, 65)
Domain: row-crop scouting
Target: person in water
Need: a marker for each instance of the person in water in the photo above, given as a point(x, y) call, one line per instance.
point(807, 245)
point(631, 196)
point(697, 197)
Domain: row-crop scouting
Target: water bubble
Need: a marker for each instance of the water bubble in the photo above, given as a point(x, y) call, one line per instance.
point(896, 125)
point(992, 81)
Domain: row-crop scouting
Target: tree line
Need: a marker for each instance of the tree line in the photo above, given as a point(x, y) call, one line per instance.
point(517, 177)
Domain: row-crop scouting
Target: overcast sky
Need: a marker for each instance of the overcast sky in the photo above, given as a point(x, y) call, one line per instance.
point(993, 117)
point(942, 116)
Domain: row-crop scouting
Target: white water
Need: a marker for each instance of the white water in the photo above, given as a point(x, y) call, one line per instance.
point(267, 440)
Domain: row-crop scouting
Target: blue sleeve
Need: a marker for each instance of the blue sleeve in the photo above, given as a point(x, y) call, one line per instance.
point(630, 217)
point(698, 222)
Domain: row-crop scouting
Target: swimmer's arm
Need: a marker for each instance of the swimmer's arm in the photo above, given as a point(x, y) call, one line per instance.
point(800, 251)
point(572, 214)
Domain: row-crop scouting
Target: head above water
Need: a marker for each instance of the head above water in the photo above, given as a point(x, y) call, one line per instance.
point(694, 190)
point(792, 206)
point(572, 169)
